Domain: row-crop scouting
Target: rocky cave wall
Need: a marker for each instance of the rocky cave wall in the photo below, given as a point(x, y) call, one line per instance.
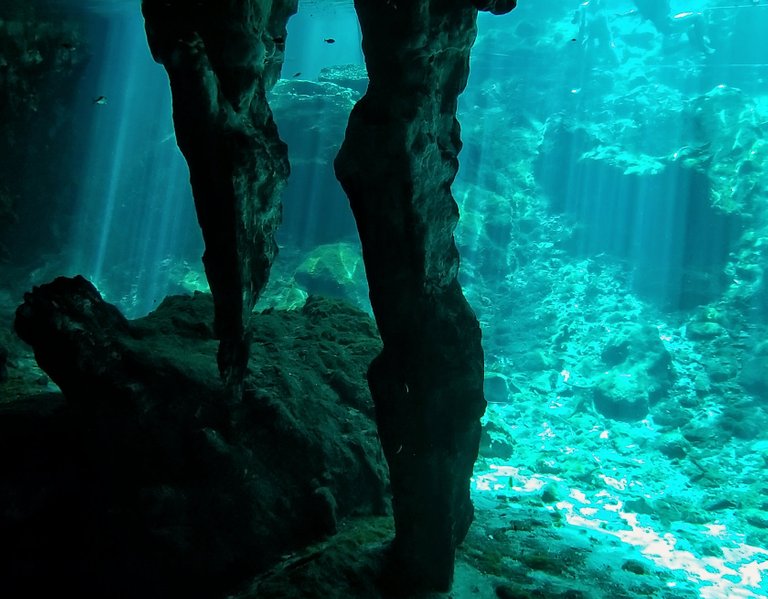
point(41, 61)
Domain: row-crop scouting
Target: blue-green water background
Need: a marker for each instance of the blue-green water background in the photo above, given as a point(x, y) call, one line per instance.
point(614, 237)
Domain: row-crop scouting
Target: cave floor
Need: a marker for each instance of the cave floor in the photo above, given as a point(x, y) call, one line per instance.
point(567, 505)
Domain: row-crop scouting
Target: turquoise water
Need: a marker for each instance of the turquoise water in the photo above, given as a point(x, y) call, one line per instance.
point(613, 187)
point(613, 192)
point(135, 218)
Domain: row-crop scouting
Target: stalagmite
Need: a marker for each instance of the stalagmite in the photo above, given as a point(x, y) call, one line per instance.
point(397, 164)
point(221, 57)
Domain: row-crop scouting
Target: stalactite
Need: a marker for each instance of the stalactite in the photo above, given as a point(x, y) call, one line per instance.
point(396, 165)
point(221, 57)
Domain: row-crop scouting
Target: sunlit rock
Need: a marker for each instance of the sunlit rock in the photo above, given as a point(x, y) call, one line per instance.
point(745, 418)
point(334, 270)
point(497, 232)
point(632, 373)
point(679, 241)
point(701, 330)
point(324, 104)
point(673, 445)
point(283, 294)
point(727, 124)
point(352, 76)
point(494, 443)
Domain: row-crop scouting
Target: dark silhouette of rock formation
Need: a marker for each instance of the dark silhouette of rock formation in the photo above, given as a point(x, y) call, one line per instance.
point(221, 58)
point(397, 164)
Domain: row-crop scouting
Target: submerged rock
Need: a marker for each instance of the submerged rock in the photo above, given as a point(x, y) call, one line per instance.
point(42, 61)
point(162, 485)
point(636, 373)
point(679, 265)
point(753, 376)
point(352, 76)
point(334, 270)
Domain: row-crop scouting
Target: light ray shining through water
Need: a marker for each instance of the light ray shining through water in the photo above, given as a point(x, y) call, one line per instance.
point(311, 113)
point(135, 223)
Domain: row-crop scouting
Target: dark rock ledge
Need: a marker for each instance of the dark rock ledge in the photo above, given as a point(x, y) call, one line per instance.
point(141, 481)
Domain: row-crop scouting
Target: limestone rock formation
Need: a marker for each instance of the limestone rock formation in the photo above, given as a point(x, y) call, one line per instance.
point(221, 58)
point(41, 62)
point(334, 270)
point(633, 372)
point(396, 165)
point(678, 272)
point(161, 488)
point(351, 76)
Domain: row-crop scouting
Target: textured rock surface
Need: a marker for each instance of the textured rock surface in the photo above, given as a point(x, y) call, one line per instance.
point(352, 76)
point(41, 62)
point(144, 482)
point(396, 165)
point(221, 58)
point(334, 270)
point(676, 272)
point(347, 566)
point(633, 372)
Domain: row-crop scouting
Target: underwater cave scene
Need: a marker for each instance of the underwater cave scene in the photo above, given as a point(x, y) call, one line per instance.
point(257, 285)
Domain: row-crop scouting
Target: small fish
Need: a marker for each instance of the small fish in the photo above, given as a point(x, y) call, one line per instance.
point(278, 40)
point(67, 46)
point(297, 74)
point(329, 40)
point(100, 100)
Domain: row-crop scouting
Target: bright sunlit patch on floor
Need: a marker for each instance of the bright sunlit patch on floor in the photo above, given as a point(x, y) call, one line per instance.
point(741, 572)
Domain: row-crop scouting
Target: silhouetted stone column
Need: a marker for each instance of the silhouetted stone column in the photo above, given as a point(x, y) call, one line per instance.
point(221, 57)
point(396, 165)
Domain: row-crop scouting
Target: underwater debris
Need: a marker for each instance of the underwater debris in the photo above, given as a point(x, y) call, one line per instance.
point(690, 151)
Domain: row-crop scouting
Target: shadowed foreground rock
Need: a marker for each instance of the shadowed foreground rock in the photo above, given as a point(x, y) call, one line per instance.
point(143, 483)
point(397, 164)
